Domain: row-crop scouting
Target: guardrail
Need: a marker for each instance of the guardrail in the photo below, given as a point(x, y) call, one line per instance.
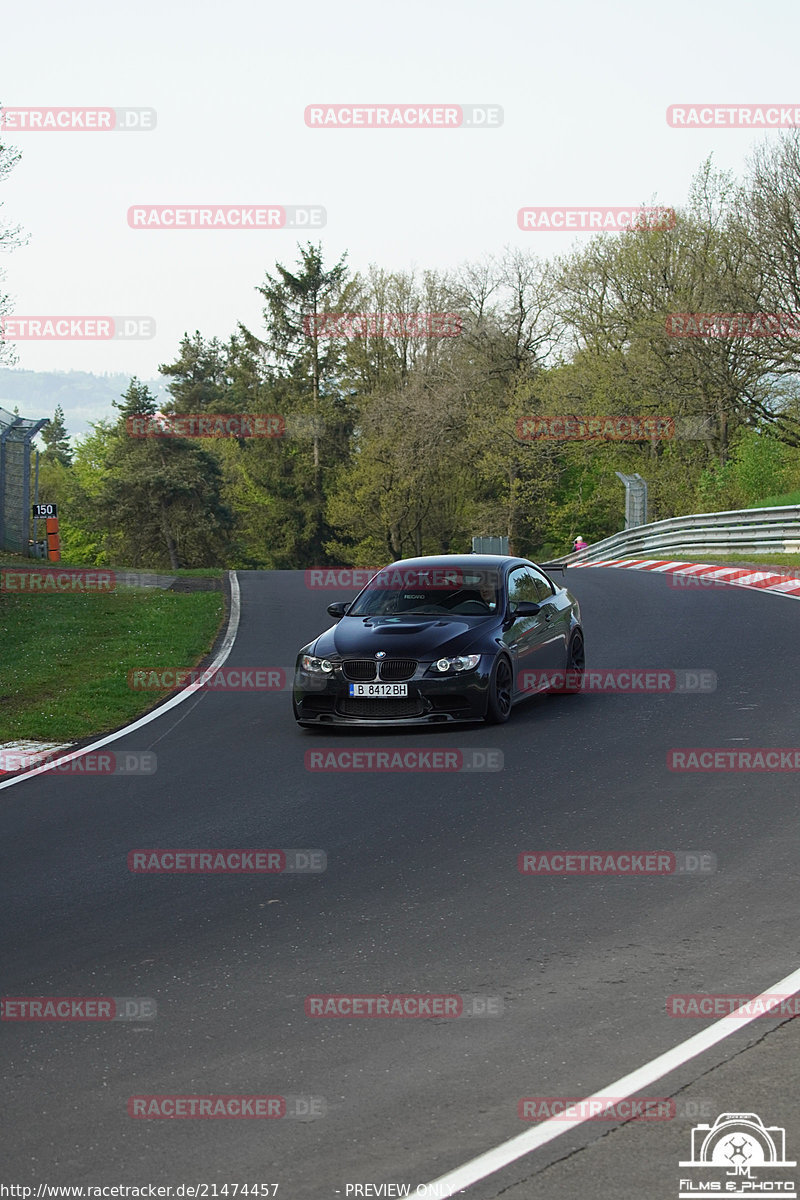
point(741, 531)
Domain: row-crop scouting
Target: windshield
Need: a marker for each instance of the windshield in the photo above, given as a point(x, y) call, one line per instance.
point(437, 591)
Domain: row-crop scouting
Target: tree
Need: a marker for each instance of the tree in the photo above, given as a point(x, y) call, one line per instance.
point(510, 327)
point(294, 304)
point(770, 214)
point(383, 358)
point(10, 236)
point(298, 373)
point(160, 502)
point(200, 378)
point(54, 435)
point(410, 487)
point(759, 466)
point(768, 218)
point(76, 490)
point(619, 293)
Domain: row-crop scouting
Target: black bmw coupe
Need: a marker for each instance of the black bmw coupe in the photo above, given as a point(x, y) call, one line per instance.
point(440, 639)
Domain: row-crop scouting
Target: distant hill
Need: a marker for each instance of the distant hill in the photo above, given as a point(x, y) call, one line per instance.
point(84, 397)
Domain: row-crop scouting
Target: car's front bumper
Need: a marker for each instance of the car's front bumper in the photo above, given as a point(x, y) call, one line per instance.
point(457, 698)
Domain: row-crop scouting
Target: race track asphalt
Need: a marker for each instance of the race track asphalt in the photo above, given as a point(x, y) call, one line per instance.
point(421, 895)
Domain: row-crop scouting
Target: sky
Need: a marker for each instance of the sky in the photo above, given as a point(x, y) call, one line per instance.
point(583, 88)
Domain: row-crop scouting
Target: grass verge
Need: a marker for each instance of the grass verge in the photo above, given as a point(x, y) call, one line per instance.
point(65, 657)
point(9, 559)
point(778, 501)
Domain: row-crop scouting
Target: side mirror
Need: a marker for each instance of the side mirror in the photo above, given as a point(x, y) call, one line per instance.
point(525, 608)
point(338, 608)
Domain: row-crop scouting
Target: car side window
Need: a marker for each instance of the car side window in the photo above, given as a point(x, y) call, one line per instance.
point(522, 586)
point(545, 589)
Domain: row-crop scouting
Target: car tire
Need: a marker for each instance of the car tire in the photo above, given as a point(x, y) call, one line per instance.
point(576, 664)
point(501, 682)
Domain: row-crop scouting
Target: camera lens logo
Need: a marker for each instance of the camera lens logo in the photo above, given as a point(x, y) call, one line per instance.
point(742, 1150)
point(742, 1154)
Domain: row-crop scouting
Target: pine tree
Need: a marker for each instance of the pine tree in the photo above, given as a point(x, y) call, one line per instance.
point(161, 498)
point(56, 440)
point(199, 376)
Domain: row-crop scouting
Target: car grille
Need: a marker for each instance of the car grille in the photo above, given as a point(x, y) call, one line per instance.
point(361, 670)
point(395, 669)
point(392, 670)
point(365, 707)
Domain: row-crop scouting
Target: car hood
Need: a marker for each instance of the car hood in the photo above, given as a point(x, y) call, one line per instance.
point(416, 637)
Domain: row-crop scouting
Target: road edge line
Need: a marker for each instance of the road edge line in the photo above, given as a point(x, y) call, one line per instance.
point(178, 698)
point(508, 1152)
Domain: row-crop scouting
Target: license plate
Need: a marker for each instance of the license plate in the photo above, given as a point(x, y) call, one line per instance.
point(379, 689)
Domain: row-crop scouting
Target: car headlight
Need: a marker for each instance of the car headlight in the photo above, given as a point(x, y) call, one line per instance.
point(316, 665)
point(464, 662)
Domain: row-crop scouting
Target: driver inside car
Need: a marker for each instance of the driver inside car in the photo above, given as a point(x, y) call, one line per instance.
point(489, 595)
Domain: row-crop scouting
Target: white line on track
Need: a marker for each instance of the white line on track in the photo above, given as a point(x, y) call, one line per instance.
point(178, 698)
point(524, 1143)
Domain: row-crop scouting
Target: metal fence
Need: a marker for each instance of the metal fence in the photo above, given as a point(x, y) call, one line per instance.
point(741, 531)
point(16, 435)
